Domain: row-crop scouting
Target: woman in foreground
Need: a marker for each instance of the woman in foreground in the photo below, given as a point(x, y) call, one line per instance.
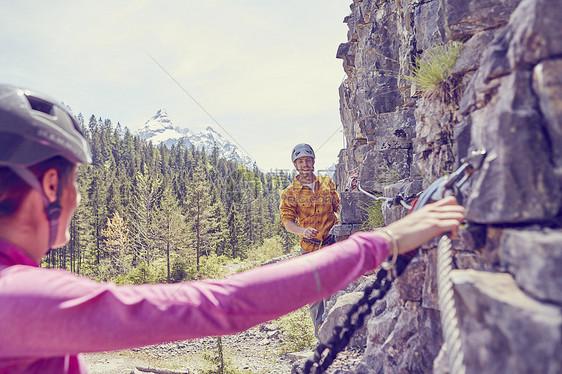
point(49, 316)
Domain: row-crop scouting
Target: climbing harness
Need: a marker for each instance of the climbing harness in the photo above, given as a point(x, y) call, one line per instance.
point(325, 353)
point(320, 243)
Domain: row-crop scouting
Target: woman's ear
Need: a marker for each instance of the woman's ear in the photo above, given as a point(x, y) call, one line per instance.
point(50, 184)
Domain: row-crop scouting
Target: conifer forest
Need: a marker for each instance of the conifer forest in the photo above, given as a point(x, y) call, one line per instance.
point(157, 214)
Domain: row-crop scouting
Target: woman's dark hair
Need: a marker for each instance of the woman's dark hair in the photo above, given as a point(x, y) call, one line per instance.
point(13, 189)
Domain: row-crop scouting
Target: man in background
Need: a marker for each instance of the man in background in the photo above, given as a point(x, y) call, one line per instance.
point(308, 209)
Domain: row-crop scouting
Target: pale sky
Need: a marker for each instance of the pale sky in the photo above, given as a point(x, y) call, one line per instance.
point(265, 70)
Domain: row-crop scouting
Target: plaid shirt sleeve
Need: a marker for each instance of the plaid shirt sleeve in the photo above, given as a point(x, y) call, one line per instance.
point(288, 206)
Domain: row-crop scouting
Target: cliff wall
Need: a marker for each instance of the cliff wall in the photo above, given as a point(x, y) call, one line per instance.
point(504, 96)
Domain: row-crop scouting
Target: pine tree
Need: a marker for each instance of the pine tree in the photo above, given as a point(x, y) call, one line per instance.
point(80, 227)
point(238, 240)
point(97, 195)
point(144, 210)
point(198, 201)
point(171, 228)
point(218, 227)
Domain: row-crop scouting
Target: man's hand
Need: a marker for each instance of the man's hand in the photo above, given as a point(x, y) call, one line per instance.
point(309, 233)
point(305, 232)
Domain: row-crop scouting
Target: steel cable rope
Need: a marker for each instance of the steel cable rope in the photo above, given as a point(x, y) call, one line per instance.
point(330, 137)
point(449, 321)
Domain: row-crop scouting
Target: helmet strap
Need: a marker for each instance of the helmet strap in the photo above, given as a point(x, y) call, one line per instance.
point(52, 210)
point(53, 213)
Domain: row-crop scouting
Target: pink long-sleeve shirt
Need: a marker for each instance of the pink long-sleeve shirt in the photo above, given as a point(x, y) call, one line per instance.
point(49, 316)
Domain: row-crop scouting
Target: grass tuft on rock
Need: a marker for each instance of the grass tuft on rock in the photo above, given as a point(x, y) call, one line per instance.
point(433, 68)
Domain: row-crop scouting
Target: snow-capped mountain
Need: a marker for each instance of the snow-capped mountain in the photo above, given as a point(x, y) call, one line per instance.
point(159, 129)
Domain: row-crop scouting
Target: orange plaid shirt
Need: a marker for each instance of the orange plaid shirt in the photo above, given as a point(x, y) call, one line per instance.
point(311, 209)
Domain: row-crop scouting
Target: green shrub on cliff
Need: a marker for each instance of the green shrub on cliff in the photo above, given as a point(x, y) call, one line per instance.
point(433, 69)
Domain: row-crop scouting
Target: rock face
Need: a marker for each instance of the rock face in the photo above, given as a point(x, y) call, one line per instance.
point(504, 96)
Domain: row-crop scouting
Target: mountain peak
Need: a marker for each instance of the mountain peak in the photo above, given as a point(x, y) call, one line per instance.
point(159, 129)
point(161, 112)
point(160, 121)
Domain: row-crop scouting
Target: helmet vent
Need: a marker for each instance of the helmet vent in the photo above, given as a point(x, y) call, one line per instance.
point(41, 105)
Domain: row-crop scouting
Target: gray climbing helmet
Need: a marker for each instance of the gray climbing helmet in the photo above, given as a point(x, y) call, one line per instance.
point(34, 128)
point(302, 150)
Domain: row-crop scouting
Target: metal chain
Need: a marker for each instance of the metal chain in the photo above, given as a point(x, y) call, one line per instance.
point(325, 353)
point(449, 321)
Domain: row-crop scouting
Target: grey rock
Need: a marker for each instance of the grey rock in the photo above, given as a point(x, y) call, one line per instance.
point(433, 153)
point(409, 285)
point(430, 298)
point(533, 256)
point(467, 17)
point(429, 26)
point(498, 322)
point(462, 134)
point(393, 130)
point(382, 167)
point(507, 100)
point(509, 128)
point(407, 189)
point(547, 85)
point(404, 338)
point(392, 213)
point(342, 231)
point(338, 316)
point(536, 30)
point(353, 206)
point(471, 53)
point(295, 356)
